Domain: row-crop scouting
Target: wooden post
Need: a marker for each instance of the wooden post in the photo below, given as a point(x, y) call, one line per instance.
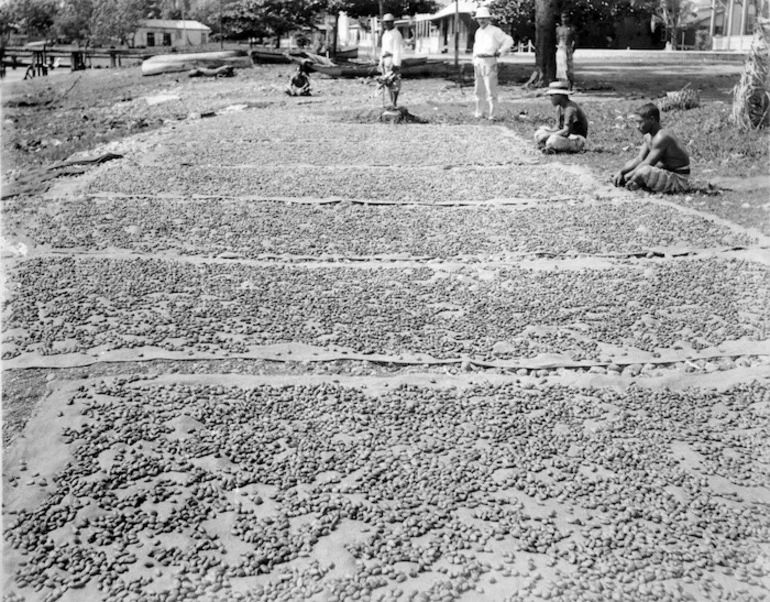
point(375, 39)
point(335, 32)
point(713, 22)
point(380, 30)
point(457, 33)
point(744, 19)
point(38, 63)
point(184, 27)
point(729, 27)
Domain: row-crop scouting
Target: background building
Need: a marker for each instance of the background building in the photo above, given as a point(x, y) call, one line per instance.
point(177, 34)
point(732, 22)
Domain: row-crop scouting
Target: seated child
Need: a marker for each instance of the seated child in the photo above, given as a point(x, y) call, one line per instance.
point(300, 82)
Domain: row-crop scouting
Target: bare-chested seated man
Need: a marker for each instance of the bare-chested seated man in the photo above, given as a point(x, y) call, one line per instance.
point(663, 164)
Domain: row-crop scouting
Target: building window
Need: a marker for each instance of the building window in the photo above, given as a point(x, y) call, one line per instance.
point(203, 38)
point(167, 39)
point(150, 38)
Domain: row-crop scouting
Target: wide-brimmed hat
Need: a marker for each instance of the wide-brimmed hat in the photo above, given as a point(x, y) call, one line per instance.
point(482, 13)
point(558, 88)
point(388, 17)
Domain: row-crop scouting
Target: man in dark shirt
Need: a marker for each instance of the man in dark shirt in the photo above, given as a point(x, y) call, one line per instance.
point(570, 135)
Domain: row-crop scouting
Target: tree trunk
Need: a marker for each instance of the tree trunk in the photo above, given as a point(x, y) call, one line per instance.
point(334, 33)
point(674, 37)
point(377, 39)
point(545, 42)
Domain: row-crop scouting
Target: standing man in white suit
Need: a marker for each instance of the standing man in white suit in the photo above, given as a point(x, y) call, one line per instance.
point(489, 43)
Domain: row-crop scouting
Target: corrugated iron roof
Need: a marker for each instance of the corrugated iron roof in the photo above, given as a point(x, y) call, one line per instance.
point(172, 24)
point(463, 6)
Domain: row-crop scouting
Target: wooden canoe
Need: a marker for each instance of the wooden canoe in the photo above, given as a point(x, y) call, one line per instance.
point(273, 55)
point(409, 68)
point(345, 54)
point(278, 55)
point(175, 62)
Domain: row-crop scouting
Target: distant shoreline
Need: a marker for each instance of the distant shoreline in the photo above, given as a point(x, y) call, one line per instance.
point(17, 75)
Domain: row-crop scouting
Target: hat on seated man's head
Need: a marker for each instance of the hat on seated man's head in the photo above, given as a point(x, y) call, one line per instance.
point(483, 13)
point(388, 17)
point(558, 88)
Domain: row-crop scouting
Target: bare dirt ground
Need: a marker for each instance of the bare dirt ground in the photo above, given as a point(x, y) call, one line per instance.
point(275, 349)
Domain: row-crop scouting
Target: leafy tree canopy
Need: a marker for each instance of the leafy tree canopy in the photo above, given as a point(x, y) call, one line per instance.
point(596, 21)
point(673, 15)
point(258, 18)
point(73, 20)
point(117, 19)
point(371, 8)
point(580, 11)
point(511, 12)
point(245, 20)
point(33, 18)
point(208, 11)
point(77, 20)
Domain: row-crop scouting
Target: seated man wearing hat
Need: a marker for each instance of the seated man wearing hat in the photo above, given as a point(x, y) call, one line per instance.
point(390, 58)
point(570, 135)
point(489, 43)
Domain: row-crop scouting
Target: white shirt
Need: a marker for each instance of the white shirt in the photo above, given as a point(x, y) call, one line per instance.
point(491, 40)
point(392, 43)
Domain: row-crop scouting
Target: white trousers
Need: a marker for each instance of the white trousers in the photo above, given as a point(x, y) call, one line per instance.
point(485, 86)
point(559, 144)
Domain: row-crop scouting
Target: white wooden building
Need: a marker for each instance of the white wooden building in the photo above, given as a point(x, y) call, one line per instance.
point(732, 22)
point(435, 33)
point(164, 32)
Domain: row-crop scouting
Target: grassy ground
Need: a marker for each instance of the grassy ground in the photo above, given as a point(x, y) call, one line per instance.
point(730, 167)
point(47, 120)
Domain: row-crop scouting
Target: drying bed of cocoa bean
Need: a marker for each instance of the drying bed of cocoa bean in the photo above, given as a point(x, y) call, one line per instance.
point(185, 490)
point(428, 185)
point(640, 474)
point(274, 143)
point(250, 230)
point(64, 304)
